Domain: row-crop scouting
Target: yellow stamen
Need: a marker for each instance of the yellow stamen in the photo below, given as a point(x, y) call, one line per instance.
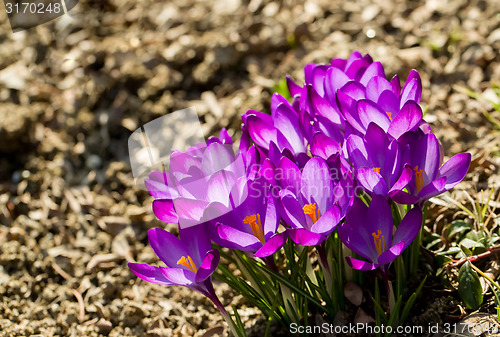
point(189, 263)
point(256, 226)
point(379, 243)
point(419, 178)
point(310, 209)
point(376, 169)
point(389, 114)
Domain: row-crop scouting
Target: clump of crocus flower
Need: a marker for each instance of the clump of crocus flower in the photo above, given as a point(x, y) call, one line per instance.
point(349, 160)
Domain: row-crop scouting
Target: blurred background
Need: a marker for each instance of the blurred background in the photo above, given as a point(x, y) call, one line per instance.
point(74, 89)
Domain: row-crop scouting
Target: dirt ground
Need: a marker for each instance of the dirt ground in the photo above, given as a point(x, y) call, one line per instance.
point(73, 90)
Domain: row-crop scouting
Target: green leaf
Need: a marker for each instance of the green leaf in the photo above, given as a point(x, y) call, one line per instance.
point(494, 238)
point(450, 251)
point(469, 287)
point(282, 88)
point(432, 240)
point(472, 247)
point(457, 228)
point(394, 317)
point(411, 301)
point(239, 323)
point(477, 236)
point(380, 317)
point(292, 286)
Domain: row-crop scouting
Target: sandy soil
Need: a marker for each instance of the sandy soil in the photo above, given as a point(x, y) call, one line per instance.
point(74, 89)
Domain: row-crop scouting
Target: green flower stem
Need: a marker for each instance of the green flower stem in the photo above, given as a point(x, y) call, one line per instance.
point(325, 266)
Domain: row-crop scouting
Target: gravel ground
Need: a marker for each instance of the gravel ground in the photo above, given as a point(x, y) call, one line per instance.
point(73, 90)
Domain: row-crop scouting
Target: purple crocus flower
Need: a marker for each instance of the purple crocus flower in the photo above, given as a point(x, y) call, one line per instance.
point(396, 111)
point(327, 79)
point(282, 128)
point(423, 152)
point(313, 203)
point(368, 231)
point(190, 261)
point(198, 177)
point(377, 161)
point(251, 225)
point(318, 96)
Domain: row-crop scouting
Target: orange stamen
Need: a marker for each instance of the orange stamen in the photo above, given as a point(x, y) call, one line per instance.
point(376, 169)
point(419, 178)
point(189, 263)
point(379, 243)
point(390, 115)
point(256, 226)
point(310, 209)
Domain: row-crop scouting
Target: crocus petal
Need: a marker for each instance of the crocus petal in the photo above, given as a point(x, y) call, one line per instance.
point(402, 197)
point(403, 180)
point(412, 89)
point(324, 108)
point(288, 175)
point(323, 146)
point(197, 241)
point(356, 69)
point(316, 183)
point(375, 86)
point(219, 186)
point(315, 74)
point(357, 151)
point(293, 88)
point(286, 121)
point(271, 221)
point(157, 186)
point(348, 106)
point(396, 86)
point(360, 265)
point(164, 210)
point(325, 126)
point(149, 273)
point(272, 245)
point(455, 169)
point(380, 215)
point(167, 246)
point(276, 100)
point(267, 171)
point(334, 79)
point(425, 153)
point(372, 181)
point(370, 112)
point(293, 213)
point(338, 63)
point(305, 238)
point(208, 265)
point(217, 157)
point(328, 221)
point(436, 187)
point(391, 254)
point(407, 120)
point(225, 137)
point(354, 89)
point(376, 143)
point(177, 276)
point(376, 69)
point(261, 132)
point(233, 238)
point(388, 102)
point(356, 238)
point(409, 227)
point(189, 211)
